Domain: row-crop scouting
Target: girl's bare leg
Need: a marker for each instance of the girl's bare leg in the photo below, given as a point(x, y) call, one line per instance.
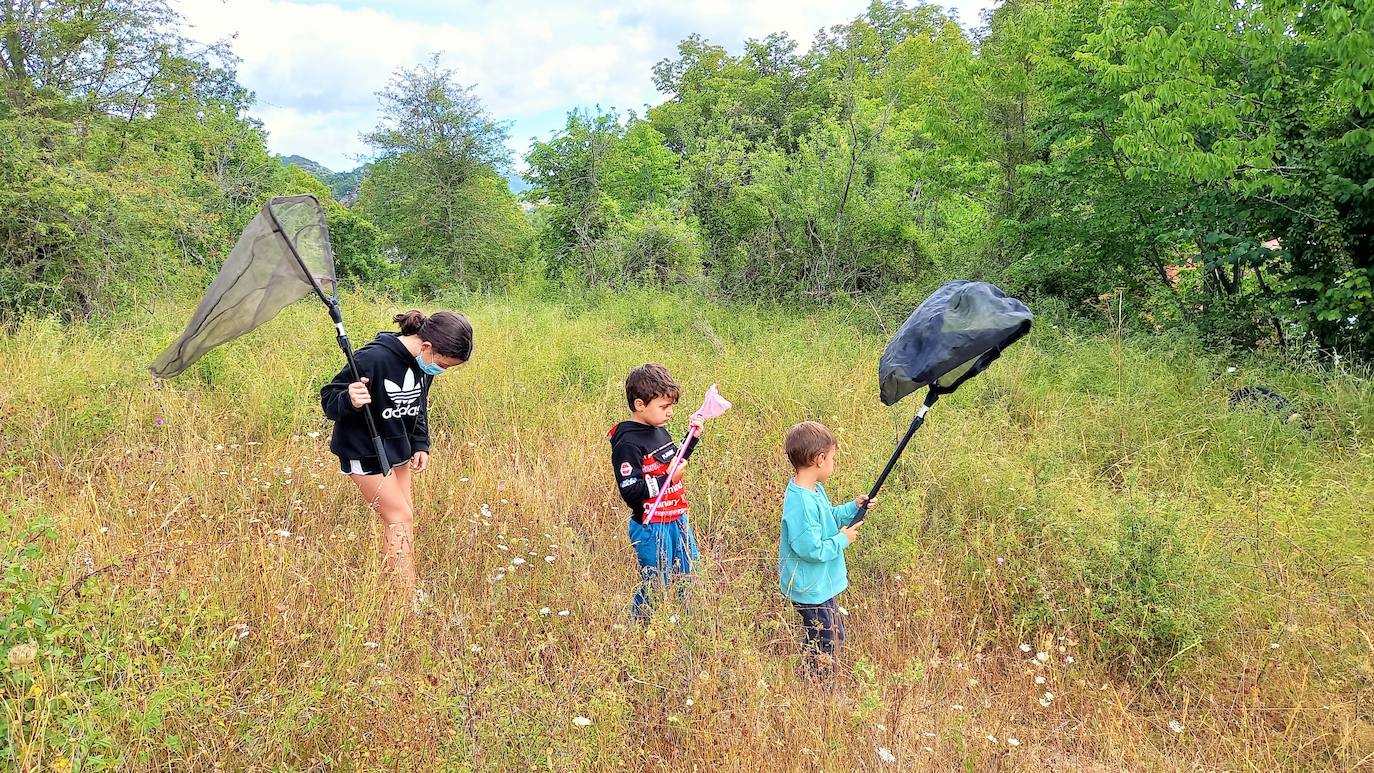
point(389, 496)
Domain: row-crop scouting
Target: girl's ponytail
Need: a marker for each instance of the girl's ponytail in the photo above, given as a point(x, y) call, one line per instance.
point(448, 332)
point(410, 321)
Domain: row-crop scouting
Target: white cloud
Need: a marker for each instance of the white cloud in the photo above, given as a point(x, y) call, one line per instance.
point(316, 67)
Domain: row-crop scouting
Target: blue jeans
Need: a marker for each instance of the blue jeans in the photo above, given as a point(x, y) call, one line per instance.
point(665, 551)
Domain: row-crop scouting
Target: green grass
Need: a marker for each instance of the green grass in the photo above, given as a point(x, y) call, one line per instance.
point(1092, 498)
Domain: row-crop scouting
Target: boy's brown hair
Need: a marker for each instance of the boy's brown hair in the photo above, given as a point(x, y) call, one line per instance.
point(648, 382)
point(806, 441)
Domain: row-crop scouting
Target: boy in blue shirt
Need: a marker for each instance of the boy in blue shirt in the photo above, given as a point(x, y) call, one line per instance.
point(815, 534)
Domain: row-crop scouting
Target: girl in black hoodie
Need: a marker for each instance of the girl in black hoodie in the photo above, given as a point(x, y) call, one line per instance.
point(395, 372)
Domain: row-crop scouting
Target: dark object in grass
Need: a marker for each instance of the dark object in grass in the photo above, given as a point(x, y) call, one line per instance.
point(1266, 400)
point(1259, 397)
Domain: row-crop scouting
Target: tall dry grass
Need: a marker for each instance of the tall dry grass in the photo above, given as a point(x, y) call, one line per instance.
point(204, 592)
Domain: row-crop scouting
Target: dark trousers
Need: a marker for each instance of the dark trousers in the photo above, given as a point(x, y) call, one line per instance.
point(823, 628)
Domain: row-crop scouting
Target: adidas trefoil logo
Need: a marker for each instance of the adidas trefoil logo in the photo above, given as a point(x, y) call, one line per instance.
point(405, 396)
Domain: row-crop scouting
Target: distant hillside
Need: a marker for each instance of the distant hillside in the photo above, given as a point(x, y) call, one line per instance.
point(343, 185)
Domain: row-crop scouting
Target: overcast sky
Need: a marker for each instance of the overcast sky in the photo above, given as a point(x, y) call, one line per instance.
point(316, 66)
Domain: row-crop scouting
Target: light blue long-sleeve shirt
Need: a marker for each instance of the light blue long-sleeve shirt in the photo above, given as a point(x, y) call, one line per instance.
point(811, 551)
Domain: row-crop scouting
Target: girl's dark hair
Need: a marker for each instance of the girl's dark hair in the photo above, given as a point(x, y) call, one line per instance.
point(449, 333)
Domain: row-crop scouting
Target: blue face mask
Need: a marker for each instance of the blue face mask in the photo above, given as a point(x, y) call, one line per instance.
point(429, 368)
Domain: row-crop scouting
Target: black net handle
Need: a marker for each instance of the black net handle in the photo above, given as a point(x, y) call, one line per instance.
point(335, 314)
point(916, 422)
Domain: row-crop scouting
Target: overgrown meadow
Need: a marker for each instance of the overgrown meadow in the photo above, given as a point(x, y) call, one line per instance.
point(1085, 561)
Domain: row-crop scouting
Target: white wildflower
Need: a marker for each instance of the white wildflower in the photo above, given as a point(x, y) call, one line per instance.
point(21, 655)
point(545, 611)
point(1176, 726)
point(476, 648)
point(1013, 742)
point(1043, 657)
point(581, 721)
point(992, 739)
point(517, 561)
point(563, 613)
point(549, 559)
point(372, 645)
point(1025, 647)
point(312, 435)
point(1039, 680)
point(886, 755)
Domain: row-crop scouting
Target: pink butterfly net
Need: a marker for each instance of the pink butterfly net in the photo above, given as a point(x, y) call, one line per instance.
point(711, 407)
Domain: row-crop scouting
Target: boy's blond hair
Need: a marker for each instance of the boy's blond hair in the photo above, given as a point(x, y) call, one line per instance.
point(806, 441)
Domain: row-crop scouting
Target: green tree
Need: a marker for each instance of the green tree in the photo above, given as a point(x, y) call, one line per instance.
point(1194, 134)
point(435, 190)
point(567, 175)
point(126, 164)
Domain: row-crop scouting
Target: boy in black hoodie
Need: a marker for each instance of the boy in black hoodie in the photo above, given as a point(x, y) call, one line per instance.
point(641, 451)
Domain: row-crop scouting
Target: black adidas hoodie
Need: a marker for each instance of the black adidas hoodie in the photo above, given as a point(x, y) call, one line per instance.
point(400, 392)
point(640, 455)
